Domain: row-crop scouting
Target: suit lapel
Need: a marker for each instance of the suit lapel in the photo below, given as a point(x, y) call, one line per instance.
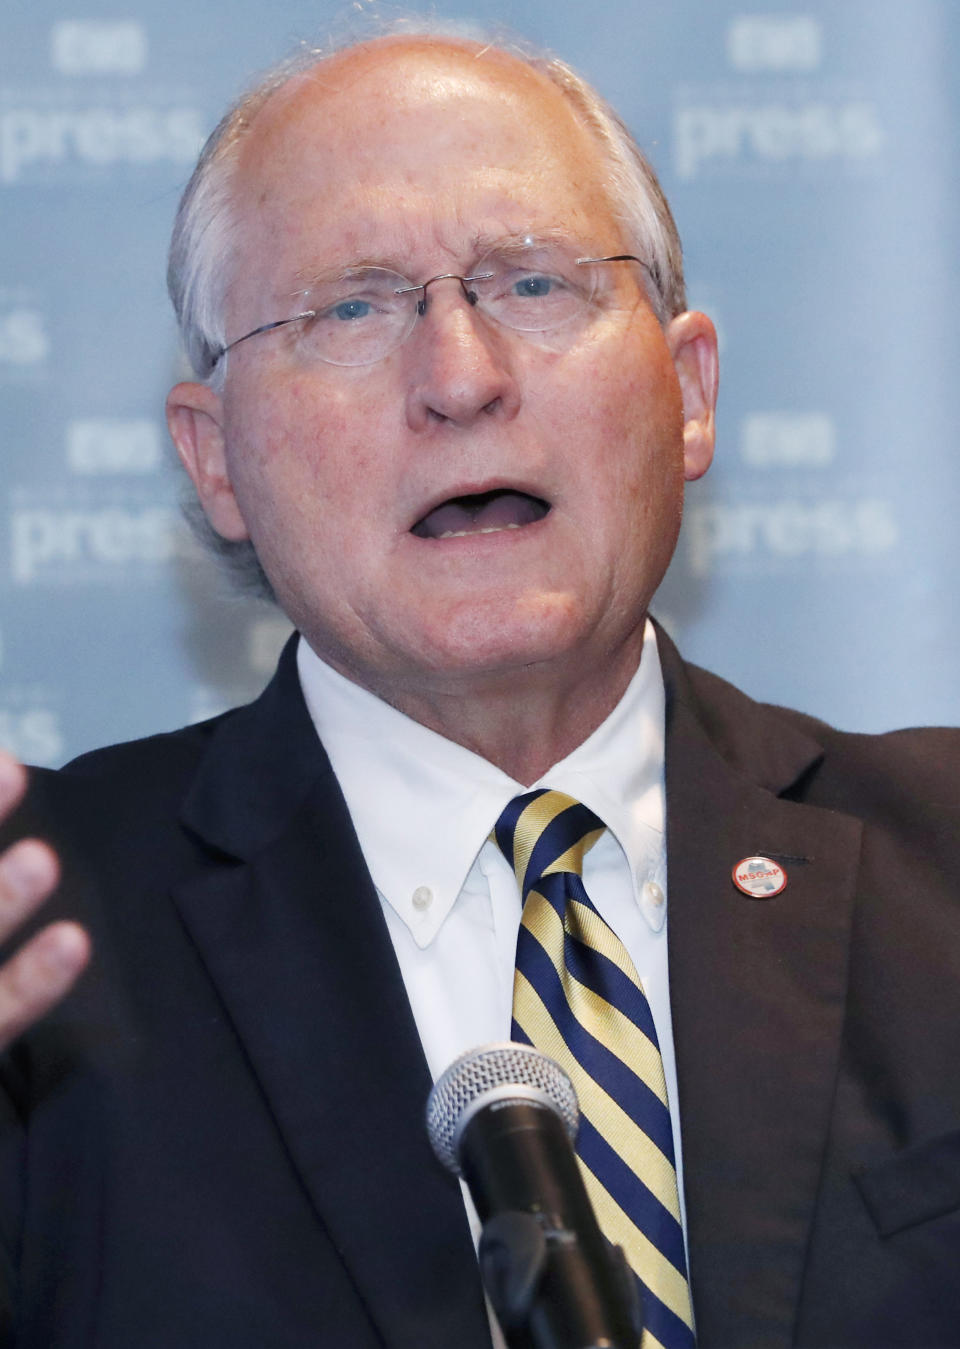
point(757, 991)
point(292, 934)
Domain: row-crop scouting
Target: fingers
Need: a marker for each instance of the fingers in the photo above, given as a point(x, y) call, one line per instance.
point(13, 782)
point(28, 869)
point(45, 968)
point(28, 875)
point(39, 975)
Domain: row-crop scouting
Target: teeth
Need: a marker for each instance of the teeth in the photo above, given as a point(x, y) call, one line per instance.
point(465, 533)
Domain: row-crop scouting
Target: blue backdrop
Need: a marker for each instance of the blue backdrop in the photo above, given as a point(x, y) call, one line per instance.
point(810, 154)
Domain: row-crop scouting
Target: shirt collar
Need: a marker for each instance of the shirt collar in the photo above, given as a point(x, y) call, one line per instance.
point(423, 806)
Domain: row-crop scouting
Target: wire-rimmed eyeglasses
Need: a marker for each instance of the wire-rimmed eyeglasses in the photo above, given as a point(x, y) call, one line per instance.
point(364, 314)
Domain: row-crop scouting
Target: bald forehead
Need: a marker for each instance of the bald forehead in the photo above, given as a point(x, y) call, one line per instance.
point(430, 55)
point(369, 83)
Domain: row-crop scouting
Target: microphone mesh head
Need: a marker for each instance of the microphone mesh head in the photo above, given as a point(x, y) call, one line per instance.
point(492, 1070)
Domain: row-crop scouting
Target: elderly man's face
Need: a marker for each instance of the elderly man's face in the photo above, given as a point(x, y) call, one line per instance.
point(406, 156)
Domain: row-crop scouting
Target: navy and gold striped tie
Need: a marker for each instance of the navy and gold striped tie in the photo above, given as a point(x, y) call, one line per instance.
point(577, 997)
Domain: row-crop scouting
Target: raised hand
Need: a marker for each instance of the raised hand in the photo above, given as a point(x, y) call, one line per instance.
point(46, 966)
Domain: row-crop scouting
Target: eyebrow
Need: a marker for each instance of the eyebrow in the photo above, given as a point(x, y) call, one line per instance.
point(519, 241)
point(308, 277)
point(506, 245)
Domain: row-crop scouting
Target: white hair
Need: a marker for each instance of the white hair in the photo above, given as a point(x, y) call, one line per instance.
point(201, 246)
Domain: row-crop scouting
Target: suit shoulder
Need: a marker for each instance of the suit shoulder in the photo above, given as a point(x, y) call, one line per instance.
point(857, 772)
point(909, 775)
point(136, 778)
point(164, 751)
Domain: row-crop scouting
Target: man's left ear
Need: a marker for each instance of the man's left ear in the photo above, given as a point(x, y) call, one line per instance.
point(692, 340)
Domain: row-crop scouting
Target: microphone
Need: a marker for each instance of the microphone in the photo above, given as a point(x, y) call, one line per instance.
point(504, 1118)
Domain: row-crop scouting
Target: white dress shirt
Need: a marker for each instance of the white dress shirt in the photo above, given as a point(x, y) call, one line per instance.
point(423, 808)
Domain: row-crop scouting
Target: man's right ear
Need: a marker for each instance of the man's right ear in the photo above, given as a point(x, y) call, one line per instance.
point(195, 419)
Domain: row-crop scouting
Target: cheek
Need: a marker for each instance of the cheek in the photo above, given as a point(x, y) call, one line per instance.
point(637, 452)
point(298, 449)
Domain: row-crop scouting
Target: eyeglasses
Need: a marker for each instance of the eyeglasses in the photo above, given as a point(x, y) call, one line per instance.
point(362, 315)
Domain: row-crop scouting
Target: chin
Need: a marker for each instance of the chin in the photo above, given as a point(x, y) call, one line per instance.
point(494, 642)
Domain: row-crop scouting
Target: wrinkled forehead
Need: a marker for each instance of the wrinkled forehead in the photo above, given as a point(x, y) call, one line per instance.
point(400, 116)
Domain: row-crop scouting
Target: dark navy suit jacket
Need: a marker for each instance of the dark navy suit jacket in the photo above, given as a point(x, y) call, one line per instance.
point(218, 1139)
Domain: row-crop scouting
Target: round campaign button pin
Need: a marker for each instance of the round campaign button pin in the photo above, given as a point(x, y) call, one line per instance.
point(759, 877)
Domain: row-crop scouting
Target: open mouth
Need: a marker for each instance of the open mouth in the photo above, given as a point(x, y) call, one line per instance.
point(482, 513)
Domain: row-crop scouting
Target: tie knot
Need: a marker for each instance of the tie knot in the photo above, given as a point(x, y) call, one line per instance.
point(543, 832)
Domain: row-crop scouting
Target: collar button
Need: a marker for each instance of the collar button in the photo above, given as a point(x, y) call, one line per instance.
point(422, 898)
point(653, 894)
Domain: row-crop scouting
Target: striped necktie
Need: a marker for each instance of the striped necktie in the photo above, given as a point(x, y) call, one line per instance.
point(578, 999)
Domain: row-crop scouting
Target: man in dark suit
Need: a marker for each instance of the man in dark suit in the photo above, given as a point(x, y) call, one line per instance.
point(452, 393)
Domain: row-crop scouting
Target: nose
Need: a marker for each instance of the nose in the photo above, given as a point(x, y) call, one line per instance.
point(460, 367)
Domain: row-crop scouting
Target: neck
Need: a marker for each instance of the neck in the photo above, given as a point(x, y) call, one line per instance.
point(524, 721)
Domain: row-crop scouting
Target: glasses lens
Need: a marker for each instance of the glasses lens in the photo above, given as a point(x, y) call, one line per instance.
point(357, 318)
point(535, 289)
point(361, 316)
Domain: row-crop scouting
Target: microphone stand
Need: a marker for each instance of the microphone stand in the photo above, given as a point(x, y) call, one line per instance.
point(552, 1278)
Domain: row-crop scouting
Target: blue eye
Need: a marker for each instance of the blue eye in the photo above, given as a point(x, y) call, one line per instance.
point(351, 309)
point(534, 287)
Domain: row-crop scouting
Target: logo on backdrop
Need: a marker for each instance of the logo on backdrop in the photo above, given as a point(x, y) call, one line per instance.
point(790, 517)
point(785, 514)
point(88, 47)
point(774, 533)
point(75, 128)
point(24, 339)
point(108, 521)
point(113, 445)
point(787, 440)
point(73, 535)
point(765, 42)
point(777, 112)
